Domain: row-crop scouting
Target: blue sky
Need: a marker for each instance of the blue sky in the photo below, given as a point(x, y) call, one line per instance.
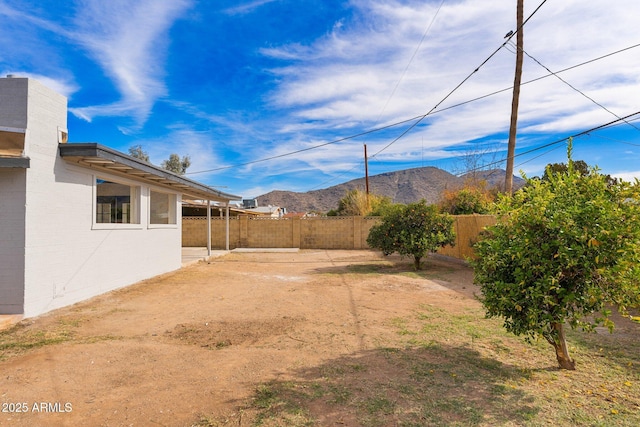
point(240, 85)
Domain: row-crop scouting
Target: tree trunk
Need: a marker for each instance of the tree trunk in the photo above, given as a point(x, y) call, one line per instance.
point(562, 351)
point(416, 262)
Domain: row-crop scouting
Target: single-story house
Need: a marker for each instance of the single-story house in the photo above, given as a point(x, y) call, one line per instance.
point(78, 220)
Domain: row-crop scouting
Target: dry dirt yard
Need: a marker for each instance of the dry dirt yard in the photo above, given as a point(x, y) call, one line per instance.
point(335, 338)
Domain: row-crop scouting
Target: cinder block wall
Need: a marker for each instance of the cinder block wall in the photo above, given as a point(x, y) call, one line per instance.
point(327, 233)
point(268, 232)
point(314, 233)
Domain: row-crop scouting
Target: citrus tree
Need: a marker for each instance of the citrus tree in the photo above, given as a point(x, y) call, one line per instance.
point(563, 251)
point(412, 230)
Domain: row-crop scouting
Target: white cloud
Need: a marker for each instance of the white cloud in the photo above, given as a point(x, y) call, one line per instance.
point(183, 141)
point(627, 176)
point(129, 41)
point(63, 86)
point(346, 77)
point(247, 7)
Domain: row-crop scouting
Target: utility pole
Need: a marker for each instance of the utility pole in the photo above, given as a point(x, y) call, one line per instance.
point(511, 147)
point(366, 174)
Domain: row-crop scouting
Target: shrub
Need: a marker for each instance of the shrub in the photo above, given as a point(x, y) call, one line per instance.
point(412, 230)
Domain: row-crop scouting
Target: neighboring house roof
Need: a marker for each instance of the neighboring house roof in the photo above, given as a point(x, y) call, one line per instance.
point(295, 215)
point(200, 204)
point(266, 210)
point(101, 158)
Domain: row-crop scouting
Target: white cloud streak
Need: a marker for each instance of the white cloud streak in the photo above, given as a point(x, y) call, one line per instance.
point(346, 77)
point(129, 41)
point(247, 7)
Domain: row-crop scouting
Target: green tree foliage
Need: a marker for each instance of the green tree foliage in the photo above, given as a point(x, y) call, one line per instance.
point(466, 201)
point(412, 230)
point(563, 251)
point(356, 203)
point(579, 166)
point(137, 152)
point(177, 165)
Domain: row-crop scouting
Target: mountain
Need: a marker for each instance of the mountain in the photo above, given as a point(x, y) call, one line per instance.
point(404, 186)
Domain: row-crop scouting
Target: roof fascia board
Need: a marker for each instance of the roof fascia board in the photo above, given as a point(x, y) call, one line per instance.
point(98, 151)
point(16, 162)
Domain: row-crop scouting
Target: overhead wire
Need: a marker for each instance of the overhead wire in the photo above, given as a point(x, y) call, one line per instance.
point(434, 110)
point(534, 80)
point(304, 149)
point(509, 36)
point(391, 125)
point(417, 118)
point(415, 52)
point(550, 144)
point(575, 89)
point(618, 141)
point(393, 92)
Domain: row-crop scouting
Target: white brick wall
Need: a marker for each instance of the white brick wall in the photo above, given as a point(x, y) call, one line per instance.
point(65, 260)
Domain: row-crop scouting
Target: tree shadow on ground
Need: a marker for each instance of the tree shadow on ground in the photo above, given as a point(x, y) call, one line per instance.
point(419, 386)
point(451, 273)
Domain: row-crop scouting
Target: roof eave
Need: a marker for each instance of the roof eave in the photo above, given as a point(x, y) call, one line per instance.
point(99, 157)
point(15, 162)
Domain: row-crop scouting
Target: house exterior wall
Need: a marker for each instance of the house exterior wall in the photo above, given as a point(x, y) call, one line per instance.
point(66, 257)
point(12, 216)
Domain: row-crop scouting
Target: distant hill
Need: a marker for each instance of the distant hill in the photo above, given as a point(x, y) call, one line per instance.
point(404, 186)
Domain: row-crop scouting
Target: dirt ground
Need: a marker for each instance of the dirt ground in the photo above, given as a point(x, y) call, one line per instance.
point(198, 341)
point(195, 344)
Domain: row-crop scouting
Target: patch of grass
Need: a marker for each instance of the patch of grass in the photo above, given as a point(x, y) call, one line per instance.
point(17, 340)
point(460, 369)
point(373, 268)
point(340, 394)
point(378, 405)
point(401, 326)
point(281, 404)
point(21, 338)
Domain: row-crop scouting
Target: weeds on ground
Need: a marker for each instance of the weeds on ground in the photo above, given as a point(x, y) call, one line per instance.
point(446, 369)
point(21, 337)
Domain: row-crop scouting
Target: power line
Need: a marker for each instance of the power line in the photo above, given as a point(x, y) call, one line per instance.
point(509, 37)
point(618, 141)
point(415, 52)
point(417, 118)
point(576, 89)
point(550, 144)
point(537, 79)
point(306, 149)
point(378, 129)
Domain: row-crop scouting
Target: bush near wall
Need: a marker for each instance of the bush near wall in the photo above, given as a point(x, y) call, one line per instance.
point(348, 232)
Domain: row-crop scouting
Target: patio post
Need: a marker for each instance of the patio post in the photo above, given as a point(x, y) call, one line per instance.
point(208, 227)
point(227, 229)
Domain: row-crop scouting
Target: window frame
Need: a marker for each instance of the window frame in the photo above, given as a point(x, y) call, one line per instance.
point(135, 204)
point(173, 209)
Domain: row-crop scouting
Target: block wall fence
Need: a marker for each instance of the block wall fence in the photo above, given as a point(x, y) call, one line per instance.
point(349, 232)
